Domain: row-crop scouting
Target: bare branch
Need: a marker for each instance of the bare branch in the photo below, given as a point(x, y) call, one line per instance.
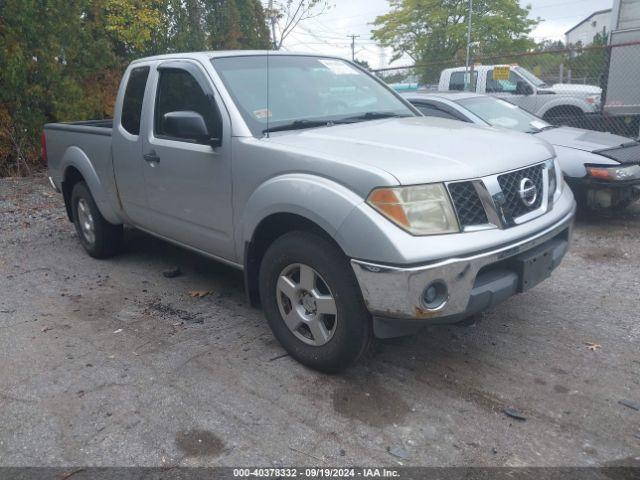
point(290, 13)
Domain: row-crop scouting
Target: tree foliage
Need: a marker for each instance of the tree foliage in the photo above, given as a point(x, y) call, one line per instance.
point(61, 60)
point(436, 30)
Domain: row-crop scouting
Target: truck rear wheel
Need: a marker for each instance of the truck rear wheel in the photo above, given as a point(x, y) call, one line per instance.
point(313, 303)
point(99, 238)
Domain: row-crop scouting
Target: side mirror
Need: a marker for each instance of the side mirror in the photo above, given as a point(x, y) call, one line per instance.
point(189, 126)
point(523, 88)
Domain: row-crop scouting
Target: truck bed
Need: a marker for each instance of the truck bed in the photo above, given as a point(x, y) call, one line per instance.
point(94, 127)
point(85, 146)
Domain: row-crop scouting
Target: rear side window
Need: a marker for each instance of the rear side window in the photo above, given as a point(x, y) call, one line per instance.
point(133, 98)
point(457, 81)
point(178, 91)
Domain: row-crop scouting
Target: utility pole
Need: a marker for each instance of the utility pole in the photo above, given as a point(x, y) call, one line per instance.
point(467, 75)
point(353, 46)
point(272, 18)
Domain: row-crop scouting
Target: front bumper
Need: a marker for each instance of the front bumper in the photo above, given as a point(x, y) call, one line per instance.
point(474, 282)
point(605, 194)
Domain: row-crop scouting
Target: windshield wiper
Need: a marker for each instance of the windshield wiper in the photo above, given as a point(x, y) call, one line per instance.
point(373, 116)
point(299, 125)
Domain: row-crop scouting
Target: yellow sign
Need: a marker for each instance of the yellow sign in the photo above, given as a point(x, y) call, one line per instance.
point(501, 73)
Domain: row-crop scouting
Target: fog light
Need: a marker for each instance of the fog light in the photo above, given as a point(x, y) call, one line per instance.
point(435, 295)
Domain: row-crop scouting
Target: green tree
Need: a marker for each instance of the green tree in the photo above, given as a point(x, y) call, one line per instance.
point(436, 30)
point(363, 63)
point(62, 60)
point(253, 25)
point(51, 56)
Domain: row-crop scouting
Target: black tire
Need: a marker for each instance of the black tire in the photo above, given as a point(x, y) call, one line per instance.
point(108, 237)
point(352, 333)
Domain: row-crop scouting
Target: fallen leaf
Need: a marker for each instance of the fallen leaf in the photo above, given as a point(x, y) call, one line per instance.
point(200, 293)
point(594, 347)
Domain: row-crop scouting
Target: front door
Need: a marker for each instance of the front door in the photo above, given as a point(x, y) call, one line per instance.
point(188, 181)
point(507, 90)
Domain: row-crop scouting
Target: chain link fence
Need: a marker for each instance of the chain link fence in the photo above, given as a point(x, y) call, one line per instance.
point(564, 86)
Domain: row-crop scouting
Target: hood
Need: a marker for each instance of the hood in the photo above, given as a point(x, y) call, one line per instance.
point(575, 88)
point(586, 140)
point(422, 149)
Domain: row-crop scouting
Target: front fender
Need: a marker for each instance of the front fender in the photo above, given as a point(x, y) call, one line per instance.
point(560, 100)
point(318, 199)
point(75, 157)
point(573, 161)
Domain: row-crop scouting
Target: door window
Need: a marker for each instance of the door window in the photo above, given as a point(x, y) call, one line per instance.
point(133, 98)
point(457, 81)
point(503, 86)
point(179, 91)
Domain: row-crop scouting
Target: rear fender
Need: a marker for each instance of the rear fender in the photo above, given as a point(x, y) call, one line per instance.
point(76, 158)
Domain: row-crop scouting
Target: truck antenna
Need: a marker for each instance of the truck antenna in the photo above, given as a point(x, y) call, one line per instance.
point(268, 112)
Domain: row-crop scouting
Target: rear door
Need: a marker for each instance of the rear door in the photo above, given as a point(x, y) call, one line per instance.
point(127, 144)
point(188, 183)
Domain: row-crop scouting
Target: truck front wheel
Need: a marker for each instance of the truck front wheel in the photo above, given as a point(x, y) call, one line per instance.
point(99, 238)
point(313, 303)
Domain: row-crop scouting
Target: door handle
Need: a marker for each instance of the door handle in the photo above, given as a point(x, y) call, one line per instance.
point(151, 157)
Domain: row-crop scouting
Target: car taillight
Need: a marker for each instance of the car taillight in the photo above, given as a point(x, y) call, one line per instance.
point(43, 149)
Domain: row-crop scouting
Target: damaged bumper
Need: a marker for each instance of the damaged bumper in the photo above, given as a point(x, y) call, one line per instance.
point(450, 290)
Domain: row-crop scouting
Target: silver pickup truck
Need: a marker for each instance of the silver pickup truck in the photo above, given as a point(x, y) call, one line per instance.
point(350, 215)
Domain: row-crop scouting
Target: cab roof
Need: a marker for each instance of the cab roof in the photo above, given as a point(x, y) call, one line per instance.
point(208, 55)
point(448, 95)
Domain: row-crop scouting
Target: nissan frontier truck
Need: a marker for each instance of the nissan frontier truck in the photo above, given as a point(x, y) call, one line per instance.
point(351, 215)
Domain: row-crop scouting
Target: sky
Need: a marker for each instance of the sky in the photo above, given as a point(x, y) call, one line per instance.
point(327, 33)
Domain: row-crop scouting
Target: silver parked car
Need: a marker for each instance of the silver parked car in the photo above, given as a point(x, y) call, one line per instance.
point(603, 169)
point(349, 213)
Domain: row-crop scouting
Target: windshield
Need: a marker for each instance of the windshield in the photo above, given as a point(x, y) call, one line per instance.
point(531, 77)
point(305, 90)
point(499, 113)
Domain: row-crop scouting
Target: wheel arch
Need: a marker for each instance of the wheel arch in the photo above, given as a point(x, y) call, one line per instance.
point(288, 203)
point(564, 106)
point(77, 168)
point(268, 231)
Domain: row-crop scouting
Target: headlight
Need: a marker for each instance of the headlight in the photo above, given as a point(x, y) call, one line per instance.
point(420, 209)
point(556, 181)
point(617, 173)
point(594, 100)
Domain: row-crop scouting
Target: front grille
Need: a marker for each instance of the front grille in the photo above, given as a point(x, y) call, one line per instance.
point(629, 154)
point(510, 185)
point(467, 204)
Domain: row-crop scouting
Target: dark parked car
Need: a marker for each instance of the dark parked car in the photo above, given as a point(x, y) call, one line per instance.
point(602, 169)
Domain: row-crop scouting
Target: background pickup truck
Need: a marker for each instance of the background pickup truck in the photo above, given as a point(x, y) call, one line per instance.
point(349, 213)
point(551, 102)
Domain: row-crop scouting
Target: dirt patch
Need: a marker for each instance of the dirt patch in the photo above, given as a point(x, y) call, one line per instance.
point(602, 254)
point(371, 403)
point(199, 443)
point(560, 389)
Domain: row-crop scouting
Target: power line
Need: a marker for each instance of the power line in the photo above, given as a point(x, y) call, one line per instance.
point(353, 46)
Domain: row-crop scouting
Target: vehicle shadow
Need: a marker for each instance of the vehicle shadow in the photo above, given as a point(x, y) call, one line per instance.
point(586, 217)
point(159, 256)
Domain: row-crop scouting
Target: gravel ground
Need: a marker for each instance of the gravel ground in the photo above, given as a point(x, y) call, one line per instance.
point(110, 363)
